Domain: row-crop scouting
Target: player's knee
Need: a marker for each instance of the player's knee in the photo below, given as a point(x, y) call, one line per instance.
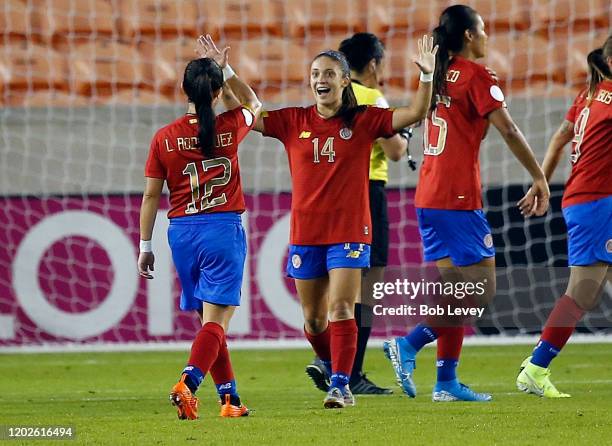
point(587, 302)
point(315, 325)
point(488, 289)
point(586, 293)
point(341, 310)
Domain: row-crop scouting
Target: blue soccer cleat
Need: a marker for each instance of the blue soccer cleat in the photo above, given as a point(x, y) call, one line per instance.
point(447, 391)
point(402, 359)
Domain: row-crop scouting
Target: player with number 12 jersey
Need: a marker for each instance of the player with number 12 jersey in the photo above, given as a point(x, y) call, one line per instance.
point(197, 156)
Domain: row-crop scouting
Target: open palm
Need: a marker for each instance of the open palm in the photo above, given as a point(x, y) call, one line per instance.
point(206, 48)
point(426, 59)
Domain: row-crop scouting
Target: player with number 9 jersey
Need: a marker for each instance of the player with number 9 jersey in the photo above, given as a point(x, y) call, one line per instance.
point(587, 210)
point(591, 177)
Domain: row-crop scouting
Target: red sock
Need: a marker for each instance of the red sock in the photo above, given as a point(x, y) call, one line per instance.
point(221, 370)
point(450, 341)
point(206, 346)
point(562, 322)
point(343, 345)
point(321, 343)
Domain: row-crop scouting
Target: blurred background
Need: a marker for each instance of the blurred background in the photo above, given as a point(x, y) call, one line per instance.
point(85, 84)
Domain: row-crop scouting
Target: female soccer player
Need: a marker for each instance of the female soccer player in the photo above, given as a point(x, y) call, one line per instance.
point(365, 54)
point(196, 156)
point(587, 209)
point(453, 227)
point(328, 145)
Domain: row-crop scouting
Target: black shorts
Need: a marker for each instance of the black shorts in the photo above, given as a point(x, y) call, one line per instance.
point(379, 250)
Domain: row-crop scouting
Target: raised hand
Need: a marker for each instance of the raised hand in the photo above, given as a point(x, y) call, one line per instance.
point(426, 59)
point(206, 48)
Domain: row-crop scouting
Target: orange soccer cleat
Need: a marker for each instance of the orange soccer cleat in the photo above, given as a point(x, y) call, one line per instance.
point(231, 410)
point(186, 403)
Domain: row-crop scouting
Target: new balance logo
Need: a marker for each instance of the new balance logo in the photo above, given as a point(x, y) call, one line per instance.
point(353, 255)
point(304, 135)
point(225, 386)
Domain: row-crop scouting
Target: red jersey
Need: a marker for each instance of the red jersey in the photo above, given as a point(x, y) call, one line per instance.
point(591, 157)
point(329, 166)
point(450, 174)
point(197, 184)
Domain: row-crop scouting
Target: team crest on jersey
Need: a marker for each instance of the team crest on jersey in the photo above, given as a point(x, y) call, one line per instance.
point(609, 246)
point(296, 261)
point(488, 241)
point(346, 133)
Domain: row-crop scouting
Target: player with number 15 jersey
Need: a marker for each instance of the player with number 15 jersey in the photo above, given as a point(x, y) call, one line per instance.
point(452, 224)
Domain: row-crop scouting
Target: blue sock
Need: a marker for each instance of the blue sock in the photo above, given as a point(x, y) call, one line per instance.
point(446, 369)
point(420, 336)
point(227, 388)
point(339, 380)
point(544, 353)
point(327, 364)
point(194, 377)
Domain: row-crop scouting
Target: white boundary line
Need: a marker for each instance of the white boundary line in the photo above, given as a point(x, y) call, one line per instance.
point(271, 344)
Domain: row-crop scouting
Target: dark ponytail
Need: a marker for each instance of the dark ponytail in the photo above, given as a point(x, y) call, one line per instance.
point(349, 108)
point(203, 77)
point(448, 35)
point(598, 71)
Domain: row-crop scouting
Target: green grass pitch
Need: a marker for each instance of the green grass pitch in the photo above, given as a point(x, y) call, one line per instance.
point(121, 399)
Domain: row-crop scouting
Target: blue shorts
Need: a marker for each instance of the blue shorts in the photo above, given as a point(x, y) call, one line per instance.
point(589, 232)
point(464, 236)
point(209, 251)
point(309, 262)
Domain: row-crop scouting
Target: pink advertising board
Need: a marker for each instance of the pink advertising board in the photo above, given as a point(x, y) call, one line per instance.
point(68, 272)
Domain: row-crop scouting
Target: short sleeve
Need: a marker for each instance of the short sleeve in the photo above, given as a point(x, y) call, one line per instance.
point(379, 121)
point(573, 111)
point(381, 102)
point(276, 123)
point(154, 167)
point(243, 119)
point(485, 94)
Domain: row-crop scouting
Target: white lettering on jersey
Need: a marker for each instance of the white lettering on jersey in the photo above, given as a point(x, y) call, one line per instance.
point(224, 139)
point(604, 96)
point(453, 76)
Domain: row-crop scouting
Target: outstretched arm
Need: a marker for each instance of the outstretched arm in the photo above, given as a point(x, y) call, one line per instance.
point(234, 86)
point(230, 101)
point(426, 61)
point(535, 202)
